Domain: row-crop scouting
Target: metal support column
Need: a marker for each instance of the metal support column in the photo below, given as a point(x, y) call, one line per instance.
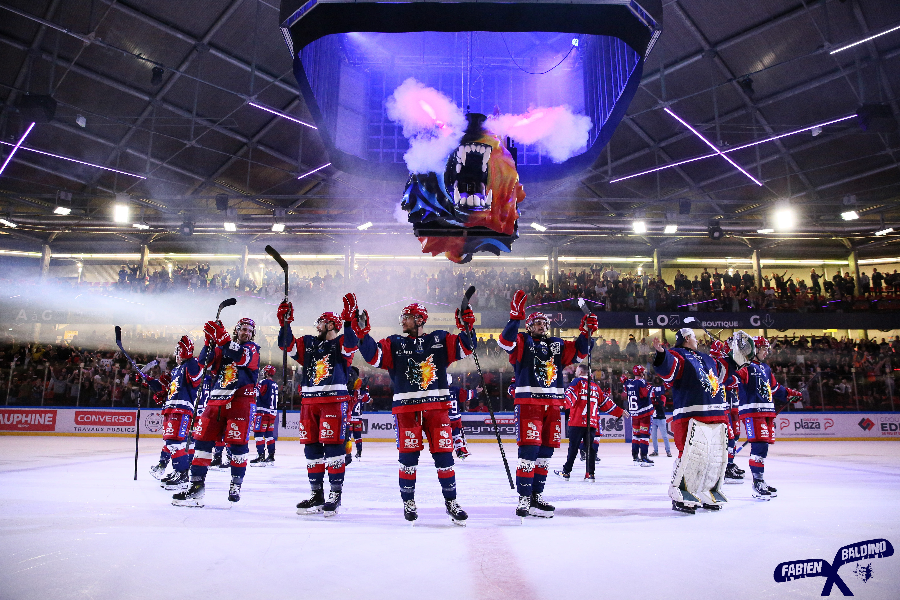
point(757, 269)
point(145, 260)
point(45, 261)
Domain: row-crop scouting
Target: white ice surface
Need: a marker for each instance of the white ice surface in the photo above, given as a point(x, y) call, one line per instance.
point(73, 524)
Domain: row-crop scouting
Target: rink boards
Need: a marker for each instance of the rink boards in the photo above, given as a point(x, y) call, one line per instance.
point(74, 421)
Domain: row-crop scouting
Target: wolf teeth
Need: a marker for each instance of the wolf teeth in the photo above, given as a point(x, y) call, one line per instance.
point(489, 199)
point(456, 199)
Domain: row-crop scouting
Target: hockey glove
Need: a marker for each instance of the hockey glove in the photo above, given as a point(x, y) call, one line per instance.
point(160, 397)
point(623, 379)
point(165, 379)
point(285, 313)
point(221, 336)
point(466, 321)
point(517, 306)
point(360, 323)
point(209, 331)
point(350, 307)
point(793, 393)
point(588, 325)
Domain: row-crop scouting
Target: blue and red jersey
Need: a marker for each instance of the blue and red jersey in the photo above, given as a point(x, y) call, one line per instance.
point(697, 392)
point(460, 398)
point(236, 369)
point(576, 400)
point(760, 389)
point(182, 389)
point(357, 399)
point(539, 364)
point(268, 397)
point(637, 394)
point(326, 363)
point(418, 366)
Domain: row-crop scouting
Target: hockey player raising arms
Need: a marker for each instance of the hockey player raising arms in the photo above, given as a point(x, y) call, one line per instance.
point(699, 417)
point(417, 363)
point(264, 420)
point(229, 411)
point(326, 359)
point(638, 396)
point(538, 361)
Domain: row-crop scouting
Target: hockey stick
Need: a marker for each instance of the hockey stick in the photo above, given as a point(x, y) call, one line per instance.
point(693, 320)
point(462, 308)
point(589, 439)
point(284, 267)
point(780, 410)
point(137, 422)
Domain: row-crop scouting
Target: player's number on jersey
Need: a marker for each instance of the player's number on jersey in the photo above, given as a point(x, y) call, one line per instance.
point(632, 403)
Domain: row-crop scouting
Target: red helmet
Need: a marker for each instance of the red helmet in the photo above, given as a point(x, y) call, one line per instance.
point(416, 310)
point(185, 349)
point(268, 371)
point(535, 316)
point(639, 371)
point(761, 342)
point(241, 323)
point(330, 317)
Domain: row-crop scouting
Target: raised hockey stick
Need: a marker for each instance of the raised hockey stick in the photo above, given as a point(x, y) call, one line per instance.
point(137, 421)
point(462, 308)
point(693, 320)
point(780, 409)
point(589, 439)
point(284, 391)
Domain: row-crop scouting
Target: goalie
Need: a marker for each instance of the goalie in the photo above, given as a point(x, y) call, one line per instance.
point(699, 423)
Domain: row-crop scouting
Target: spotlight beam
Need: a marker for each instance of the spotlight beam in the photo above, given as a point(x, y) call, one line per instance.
point(16, 147)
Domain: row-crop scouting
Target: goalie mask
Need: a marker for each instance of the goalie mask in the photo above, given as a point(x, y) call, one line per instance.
point(240, 324)
point(743, 348)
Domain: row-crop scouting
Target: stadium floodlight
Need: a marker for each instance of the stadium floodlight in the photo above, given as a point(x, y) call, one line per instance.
point(140, 226)
point(882, 232)
point(538, 227)
point(62, 210)
point(121, 213)
point(364, 226)
point(784, 218)
point(639, 227)
point(850, 215)
point(277, 227)
point(670, 229)
point(229, 226)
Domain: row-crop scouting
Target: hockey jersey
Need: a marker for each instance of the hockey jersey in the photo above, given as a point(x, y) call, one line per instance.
point(538, 364)
point(236, 367)
point(637, 393)
point(697, 391)
point(268, 397)
point(182, 389)
point(418, 366)
point(326, 363)
point(357, 399)
point(576, 401)
point(760, 388)
point(460, 398)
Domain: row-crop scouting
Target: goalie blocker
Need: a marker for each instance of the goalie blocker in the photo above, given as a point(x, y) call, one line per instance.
point(700, 471)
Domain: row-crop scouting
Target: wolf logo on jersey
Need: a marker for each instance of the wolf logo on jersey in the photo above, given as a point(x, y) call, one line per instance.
point(422, 373)
point(229, 376)
point(711, 383)
point(764, 389)
point(321, 370)
point(545, 371)
point(173, 388)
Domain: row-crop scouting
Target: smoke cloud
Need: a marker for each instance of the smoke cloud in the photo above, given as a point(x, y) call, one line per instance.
point(431, 122)
point(556, 131)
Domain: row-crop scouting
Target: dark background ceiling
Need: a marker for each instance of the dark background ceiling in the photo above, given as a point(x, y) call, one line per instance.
point(193, 135)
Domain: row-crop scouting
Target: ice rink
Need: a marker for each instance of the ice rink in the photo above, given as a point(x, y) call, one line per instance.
point(73, 524)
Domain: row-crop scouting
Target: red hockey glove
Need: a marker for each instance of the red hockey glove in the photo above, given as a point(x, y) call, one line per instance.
point(623, 379)
point(350, 307)
point(222, 336)
point(517, 306)
point(160, 397)
point(466, 321)
point(793, 393)
point(165, 379)
point(360, 323)
point(588, 325)
point(209, 332)
point(285, 313)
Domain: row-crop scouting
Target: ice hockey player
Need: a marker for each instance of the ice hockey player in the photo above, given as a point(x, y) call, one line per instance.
point(658, 419)
point(637, 394)
point(229, 411)
point(417, 363)
point(322, 428)
point(359, 395)
point(459, 401)
point(757, 410)
point(699, 407)
point(576, 400)
point(538, 361)
point(179, 387)
point(719, 350)
point(264, 419)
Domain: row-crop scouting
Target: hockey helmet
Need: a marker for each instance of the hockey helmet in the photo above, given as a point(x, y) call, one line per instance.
point(330, 317)
point(185, 349)
point(760, 342)
point(639, 371)
point(416, 310)
point(241, 323)
point(268, 372)
point(537, 316)
point(682, 334)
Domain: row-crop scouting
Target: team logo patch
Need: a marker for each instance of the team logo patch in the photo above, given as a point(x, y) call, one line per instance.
point(422, 373)
point(229, 376)
point(321, 370)
point(546, 371)
point(710, 382)
point(173, 388)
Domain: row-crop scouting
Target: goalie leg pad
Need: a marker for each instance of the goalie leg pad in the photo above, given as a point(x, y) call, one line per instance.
point(699, 474)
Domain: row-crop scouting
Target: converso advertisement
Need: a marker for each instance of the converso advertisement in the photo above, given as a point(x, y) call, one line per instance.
point(380, 426)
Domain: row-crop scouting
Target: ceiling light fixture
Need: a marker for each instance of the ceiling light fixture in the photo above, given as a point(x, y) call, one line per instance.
point(862, 41)
point(140, 226)
point(314, 170)
point(120, 213)
point(711, 145)
point(277, 227)
point(882, 232)
point(281, 114)
point(229, 226)
point(8, 223)
point(62, 210)
point(850, 215)
point(639, 227)
point(538, 227)
point(765, 230)
point(670, 229)
point(75, 160)
point(364, 226)
point(16, 147)
point(784, 218)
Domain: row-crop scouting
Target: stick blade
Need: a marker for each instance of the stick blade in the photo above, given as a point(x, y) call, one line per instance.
point(118, 336)
point(227, 303)
point(466, 298)
point(274, 254)
point(583, 306)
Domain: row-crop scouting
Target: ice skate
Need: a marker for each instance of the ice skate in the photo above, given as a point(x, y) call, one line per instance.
point(760, 490)
point(409, 510)
point(357, 455)
point(312, 505)
point(216, 461)
point(225, 464)
point(192, 497)
point(462, 453)
point(259, 461)
point(589, 477)
point(582, 455)
point(738, 470)
point(682, 507)
point(457, 515)
point(270, 461)
point(646, 462)
point(636, 460)
point(158, 471)
point(234, 490)
point(177, 481)
point(539, 508)
point(562, 474)
point(772, 491)
point(732, 476)
point(332, 504)
point(522, 510)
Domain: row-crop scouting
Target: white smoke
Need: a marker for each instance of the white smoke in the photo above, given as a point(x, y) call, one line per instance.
point(556, 131)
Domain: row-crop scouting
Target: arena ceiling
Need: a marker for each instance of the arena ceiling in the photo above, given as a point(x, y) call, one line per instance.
point(740, 72)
